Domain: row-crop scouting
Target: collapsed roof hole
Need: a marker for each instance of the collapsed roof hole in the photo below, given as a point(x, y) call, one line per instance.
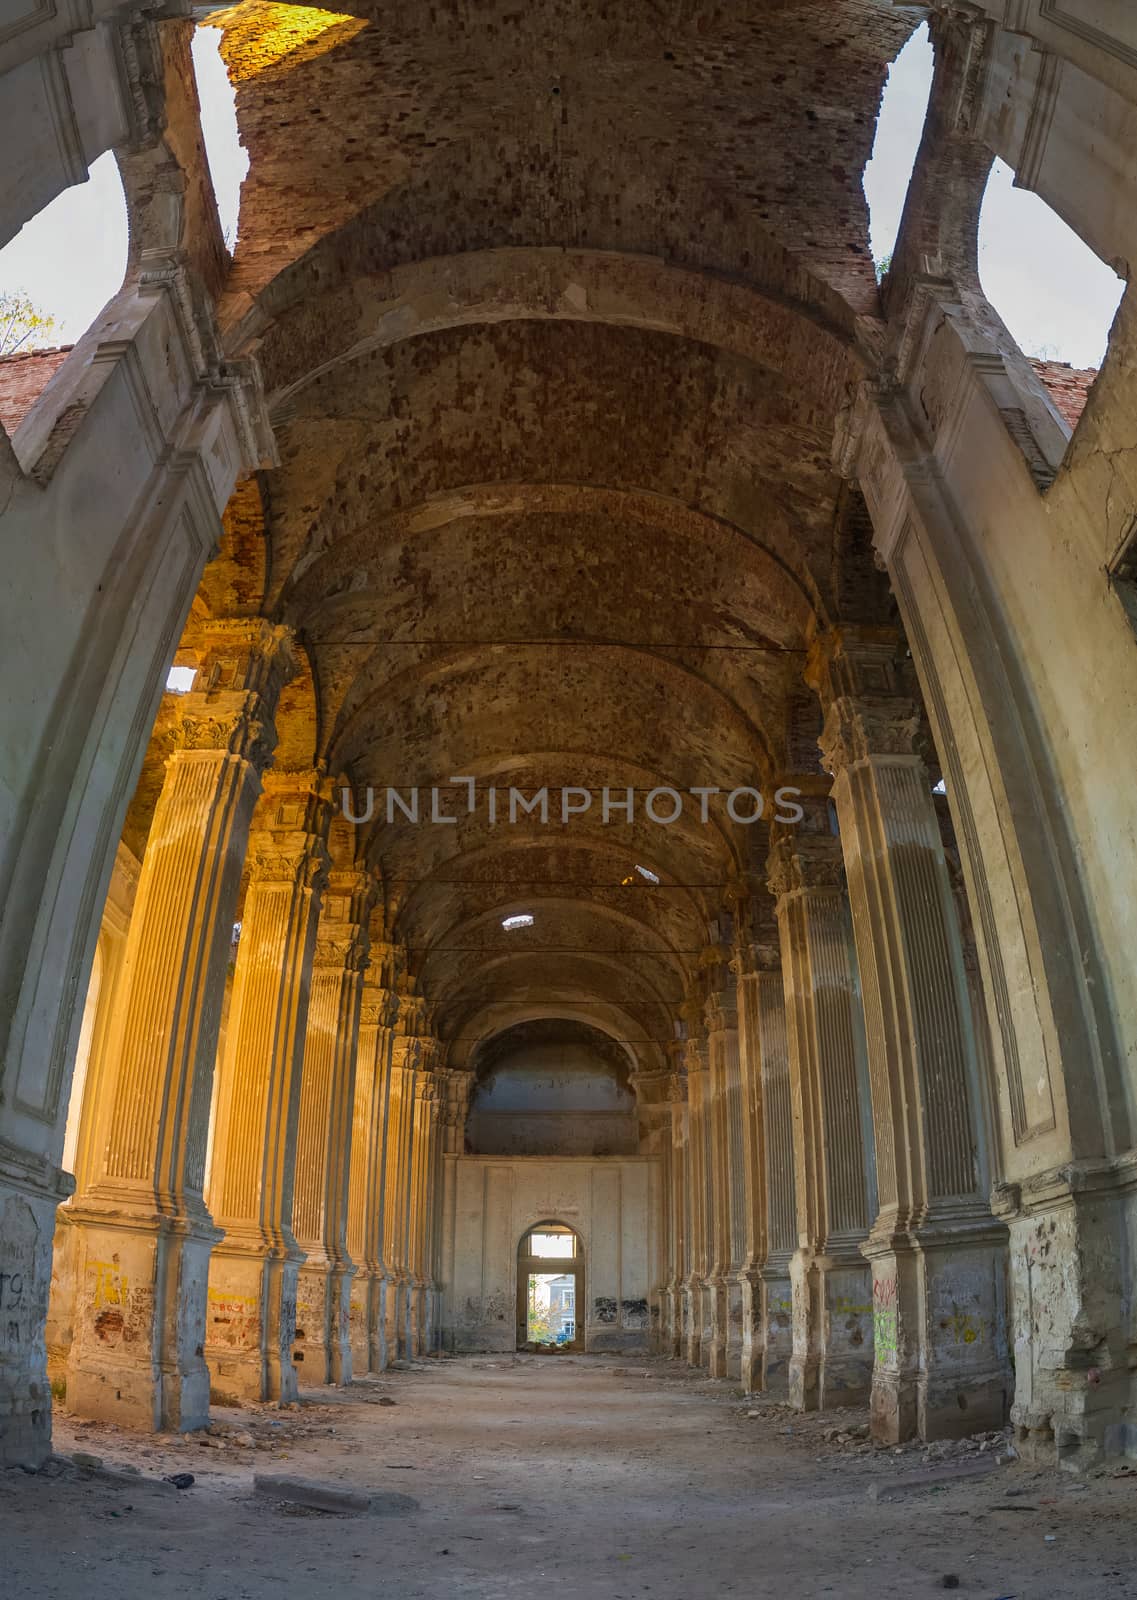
point(899, 128)
point(86, 223)
point(217, 99)
point(1055, 295)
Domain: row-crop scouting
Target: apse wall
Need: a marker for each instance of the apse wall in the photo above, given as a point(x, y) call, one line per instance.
point(551, 1098)
point(490, 1203)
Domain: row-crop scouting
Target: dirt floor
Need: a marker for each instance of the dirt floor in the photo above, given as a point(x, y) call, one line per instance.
point(562, 1475)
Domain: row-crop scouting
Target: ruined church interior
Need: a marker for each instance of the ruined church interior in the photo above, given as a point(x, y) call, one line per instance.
point(568, 844)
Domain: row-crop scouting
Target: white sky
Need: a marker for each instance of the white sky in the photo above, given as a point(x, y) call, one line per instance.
point(88, 222)
point(1056, 297)
point(1054, 294)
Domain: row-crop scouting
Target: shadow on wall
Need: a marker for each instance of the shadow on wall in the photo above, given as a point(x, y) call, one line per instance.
point(552, 1088)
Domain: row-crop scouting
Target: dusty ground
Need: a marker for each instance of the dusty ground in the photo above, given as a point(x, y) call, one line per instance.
point(554, 1475)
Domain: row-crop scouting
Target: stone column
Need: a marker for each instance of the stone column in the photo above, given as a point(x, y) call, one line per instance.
point(724, 1138)
point(699, 1307)
point(424, 1132)
point(453, 1108)
point(752, 1221)
point(938, 1255)
point(327, 1097)
point(653, 1116)
point(146, 1236)
point(369, 1154)
point(404, 1056)
point(251, 1326)
point(776, 1317)
point(679, 1196)
point(832, 1356)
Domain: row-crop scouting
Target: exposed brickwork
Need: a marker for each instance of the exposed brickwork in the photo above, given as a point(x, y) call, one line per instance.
point(23, 378)
point(1069, 386)
point(711, 133)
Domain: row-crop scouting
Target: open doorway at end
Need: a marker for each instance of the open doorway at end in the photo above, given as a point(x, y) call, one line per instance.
point(550, 1288)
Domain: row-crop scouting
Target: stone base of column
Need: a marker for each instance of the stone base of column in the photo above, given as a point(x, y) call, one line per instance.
point(391, 1315)
point(323, 1321)
point(717, 1317)
point(377, 1353)
point(250, 1324)
point(777, 1328)
point(939, 1318)
point(832, 1360)
point(752, 1334)
point(137, 1357)
point(367, 1332)
point(1073, 1240)
point(60, 1328)
point(316, 1321)
point(404, 1318)
point(692, 1320)
point(734, 1326)
point(414, 1314)
point(671, 1319)
point(27, 1224)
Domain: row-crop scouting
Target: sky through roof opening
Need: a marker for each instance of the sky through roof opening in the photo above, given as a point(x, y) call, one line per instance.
point(70, 259)
point(228, 162)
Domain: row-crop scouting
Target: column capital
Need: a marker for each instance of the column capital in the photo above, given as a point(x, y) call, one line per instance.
point(868, 692)
point(243, 653)
point(406, 1052)
point(380, 1007)
point(721, 1011)
point(695, 1058)
point(677, 1089)
point(287, 840)
point(800, 861)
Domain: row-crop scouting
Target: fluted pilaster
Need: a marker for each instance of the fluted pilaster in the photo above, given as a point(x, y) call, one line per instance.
point(835, 1200)
point(934, 1244)
point(146, 1236)
point(327, 1098)
point(370, 1152)
point(253, 1274)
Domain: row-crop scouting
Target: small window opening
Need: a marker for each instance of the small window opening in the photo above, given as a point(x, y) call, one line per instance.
point(941, 787)
point(522, 920)
point(558, 1243)
point(1055, 295)
point(180, 680)
point(899, 128)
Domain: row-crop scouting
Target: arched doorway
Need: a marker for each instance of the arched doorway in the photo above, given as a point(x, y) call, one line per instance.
point(550, 1289)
